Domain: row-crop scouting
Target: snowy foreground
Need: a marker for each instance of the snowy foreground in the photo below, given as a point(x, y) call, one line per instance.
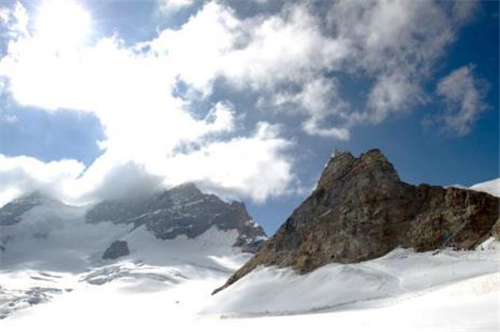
point(404, 290)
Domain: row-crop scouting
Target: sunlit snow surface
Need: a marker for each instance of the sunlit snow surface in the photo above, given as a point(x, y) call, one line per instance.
point(401, 291)
point(491, 187)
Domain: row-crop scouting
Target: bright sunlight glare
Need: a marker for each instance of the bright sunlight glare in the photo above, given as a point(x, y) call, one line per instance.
point(62, 24)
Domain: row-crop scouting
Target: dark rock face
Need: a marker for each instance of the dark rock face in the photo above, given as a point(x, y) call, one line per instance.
point(116, 250)
point(360, 210)
point(183, 210)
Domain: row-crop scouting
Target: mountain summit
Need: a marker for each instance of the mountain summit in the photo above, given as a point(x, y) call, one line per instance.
point(360, 210)
point(183, 211)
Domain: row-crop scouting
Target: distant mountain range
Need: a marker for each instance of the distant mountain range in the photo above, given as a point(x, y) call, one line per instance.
point(183, 211)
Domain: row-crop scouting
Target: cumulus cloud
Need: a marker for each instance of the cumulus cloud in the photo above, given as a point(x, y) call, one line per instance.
point(463, 96)
point(260, 53)
point(397, 44)
point(283, 56)
point(245, 166)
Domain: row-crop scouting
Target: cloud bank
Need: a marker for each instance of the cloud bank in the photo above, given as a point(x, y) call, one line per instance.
point(294, 61)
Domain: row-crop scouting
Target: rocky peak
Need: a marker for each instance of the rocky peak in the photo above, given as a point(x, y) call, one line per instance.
point(183, 210)
point(343, 166)
point(361, 210)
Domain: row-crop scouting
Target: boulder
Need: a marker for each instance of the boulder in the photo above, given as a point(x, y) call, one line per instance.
point(116, 250)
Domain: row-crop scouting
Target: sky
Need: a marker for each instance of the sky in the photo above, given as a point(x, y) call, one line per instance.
point(247, 99)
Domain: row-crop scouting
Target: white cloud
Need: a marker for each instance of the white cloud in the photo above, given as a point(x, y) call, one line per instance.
point(392, 94)
point(318, 101)
point(146, 126)
point(393, 43)
point(321, 99)
point(130, 93)
point(197, 49)
point(19, 175)
point(288, 47)
point(259, 53)
point(463, 96)
point(396, 43)
point(295, 61)
point(14, 21)
point(389, 36)
point(247, 166)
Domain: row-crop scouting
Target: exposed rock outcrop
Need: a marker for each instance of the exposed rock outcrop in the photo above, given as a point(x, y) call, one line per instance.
point(183, 210)
point(361, 210)
point(116, 250)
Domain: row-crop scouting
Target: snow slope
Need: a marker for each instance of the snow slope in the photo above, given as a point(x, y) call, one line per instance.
point(338, 286)
point(53, 251)
point(55, 236)
point(491, 187)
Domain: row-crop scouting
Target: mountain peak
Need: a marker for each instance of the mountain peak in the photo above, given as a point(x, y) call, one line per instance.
point(183, 211)
point(360, 210)
point(343, 166)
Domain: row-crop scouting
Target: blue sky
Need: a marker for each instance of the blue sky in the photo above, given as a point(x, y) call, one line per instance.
point(107, 99)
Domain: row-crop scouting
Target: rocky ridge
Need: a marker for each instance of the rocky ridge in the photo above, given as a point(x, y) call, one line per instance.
point(361, 210)
point(183, 211)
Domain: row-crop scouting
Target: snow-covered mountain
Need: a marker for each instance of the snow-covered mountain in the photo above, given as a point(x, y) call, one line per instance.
point(182, 211)
point(49, 247)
